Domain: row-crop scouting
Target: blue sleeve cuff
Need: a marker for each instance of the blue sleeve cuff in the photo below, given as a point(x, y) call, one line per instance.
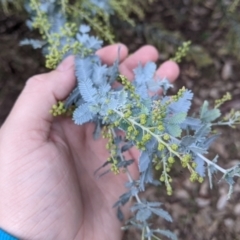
point(6, 236)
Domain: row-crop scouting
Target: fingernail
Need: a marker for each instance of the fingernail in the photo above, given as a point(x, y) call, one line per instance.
point(66, 64)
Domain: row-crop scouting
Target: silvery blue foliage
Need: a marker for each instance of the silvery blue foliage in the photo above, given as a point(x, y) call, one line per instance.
point(143, 75)
point(208, 141)
point(183, 104)
point(146, 177)
point(200, 169)
point(173, 122)
point(133, 186)
point(55, 18)
point(95, 90)
point(89, 42)
point(211, 167)
point(207, 115)
point(47, 6)
point(82, 114)
point(52, 10)
point(127, 146)
point(74, 98)
point(186, 142)
point(146, 156)
point(146, 209)
point(156, 84)
point(202, 132)
point(58, 21)
point(94, 97)
point(123, 199)
point(145, 82)
point(191, 123)
point(144, 161)
point(104, 5)
point(33, 42)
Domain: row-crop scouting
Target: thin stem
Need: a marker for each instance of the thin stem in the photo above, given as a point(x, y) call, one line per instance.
point(157, 238)
point(63, 3)
point(40, 14)
point(221, 124)
point(131, 180)
point(208, 161)
point(212, 163)
point(143, 233)
point(165, 172)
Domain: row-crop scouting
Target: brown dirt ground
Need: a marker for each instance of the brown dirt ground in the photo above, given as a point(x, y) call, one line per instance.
point(199, 213)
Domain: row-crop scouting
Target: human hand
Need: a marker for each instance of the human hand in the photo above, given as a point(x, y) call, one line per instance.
point(48, 189)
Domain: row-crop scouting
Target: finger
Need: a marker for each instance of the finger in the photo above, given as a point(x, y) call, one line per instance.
point(31, 110)
point(109, 54)
point(169, 70)
point(143, 55)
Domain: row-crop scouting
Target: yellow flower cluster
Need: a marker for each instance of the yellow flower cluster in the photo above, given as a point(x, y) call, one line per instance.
point(195, 177)
point(185, 159)
point(130, 88)
point(57, 52)
point(58, 109)
point(159, 112)
point(41, 20)
point(181, 52)
point(167, 180)
point(225, 98)
point(233, 6)
point(179, 94)
point(112, 148)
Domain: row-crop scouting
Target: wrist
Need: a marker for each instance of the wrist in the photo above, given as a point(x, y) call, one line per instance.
point(6, 235)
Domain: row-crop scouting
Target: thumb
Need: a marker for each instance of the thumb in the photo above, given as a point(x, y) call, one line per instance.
point(31, 110)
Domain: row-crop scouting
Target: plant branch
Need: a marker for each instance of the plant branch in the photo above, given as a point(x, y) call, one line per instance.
point(130, 180)
point(212, 163)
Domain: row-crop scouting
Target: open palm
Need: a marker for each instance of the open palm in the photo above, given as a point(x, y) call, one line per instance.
point(48, 189)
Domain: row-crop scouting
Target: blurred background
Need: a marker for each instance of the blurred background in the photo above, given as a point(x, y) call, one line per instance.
point(210, 69)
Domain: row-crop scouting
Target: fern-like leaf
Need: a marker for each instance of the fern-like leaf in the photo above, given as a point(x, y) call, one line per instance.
point(200, 168)
point(207, 115)
point(82, 114)
point(144, 74)
point(191, 123)
point(83, 68)
point(33, 42)
point(183, 104)
point(88, 92)
point(162, 213)
point(155, 85)
point(73, 98)
point(146, 177)
point(143, 215)
point(84, 28)
point(99, 74)
point(177, 118)
point(144, 161)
